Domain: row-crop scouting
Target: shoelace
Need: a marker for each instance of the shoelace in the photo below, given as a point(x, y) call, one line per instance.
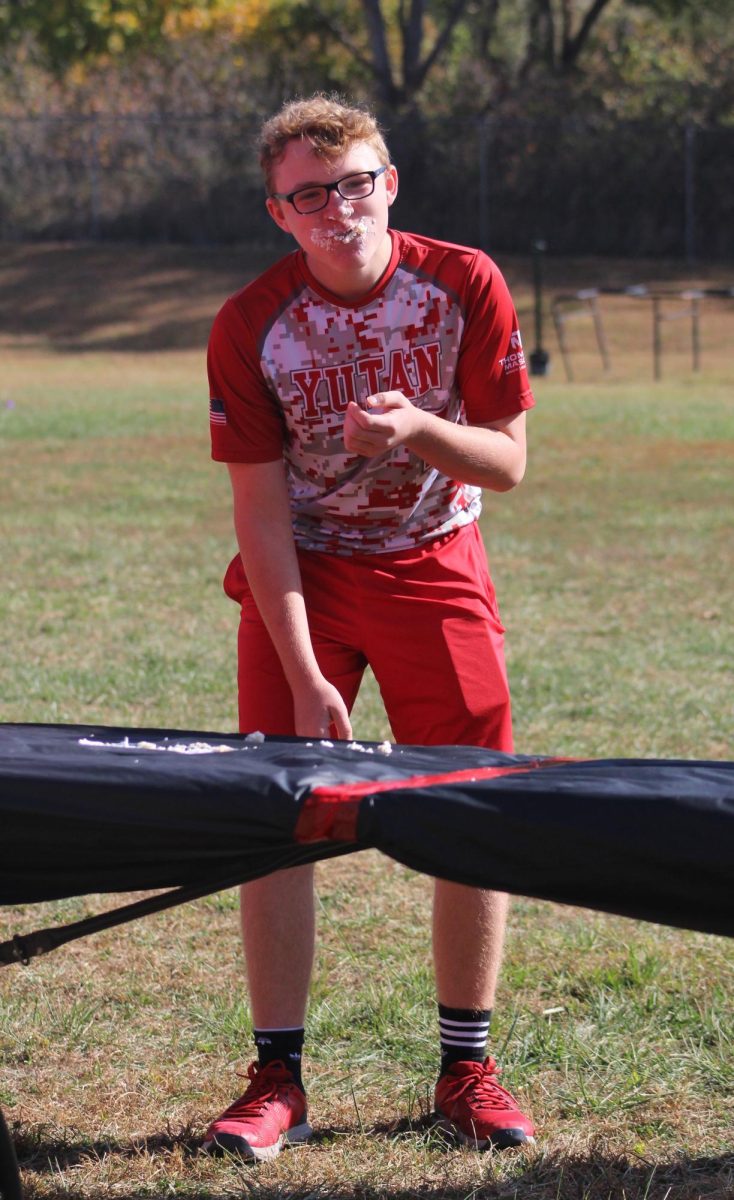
point(481, 1080)
point(263, 1087)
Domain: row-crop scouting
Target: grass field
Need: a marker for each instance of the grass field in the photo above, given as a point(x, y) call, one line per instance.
point(613, 563)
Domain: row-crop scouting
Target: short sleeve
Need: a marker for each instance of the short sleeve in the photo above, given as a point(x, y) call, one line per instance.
point(245, 421)
point(491, 373)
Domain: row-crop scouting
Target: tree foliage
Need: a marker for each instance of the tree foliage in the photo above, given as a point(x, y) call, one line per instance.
point(561, 115)
point(467, 57)
point(67, 31)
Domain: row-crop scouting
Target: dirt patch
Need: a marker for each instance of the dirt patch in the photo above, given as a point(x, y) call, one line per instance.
point(76, 297)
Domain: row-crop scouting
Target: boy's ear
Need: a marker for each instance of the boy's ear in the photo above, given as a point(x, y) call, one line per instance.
point(276, 211)
point(391, 184)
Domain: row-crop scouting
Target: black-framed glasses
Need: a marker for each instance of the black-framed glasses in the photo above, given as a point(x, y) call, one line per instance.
point(307, 200)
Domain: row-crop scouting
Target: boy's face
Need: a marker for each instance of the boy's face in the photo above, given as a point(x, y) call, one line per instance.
point(346, 242)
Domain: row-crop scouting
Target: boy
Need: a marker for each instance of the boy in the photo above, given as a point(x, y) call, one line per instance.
point(363, 391)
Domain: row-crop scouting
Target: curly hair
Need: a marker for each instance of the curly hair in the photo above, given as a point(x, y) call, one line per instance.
point(329, 124)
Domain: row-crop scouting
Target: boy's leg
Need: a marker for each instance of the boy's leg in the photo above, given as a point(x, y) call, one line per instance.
point(444, 682)
point(436, 646)
point(277, 911)
point(468, 937)
point(277, 918)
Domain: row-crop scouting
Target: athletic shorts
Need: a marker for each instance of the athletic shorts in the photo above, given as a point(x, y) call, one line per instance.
point(426, 622)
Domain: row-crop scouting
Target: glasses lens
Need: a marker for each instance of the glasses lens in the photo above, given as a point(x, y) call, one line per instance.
point(356, 187)
point(310, 200)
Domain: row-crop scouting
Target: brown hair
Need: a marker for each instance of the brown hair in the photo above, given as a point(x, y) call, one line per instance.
point(330, 125)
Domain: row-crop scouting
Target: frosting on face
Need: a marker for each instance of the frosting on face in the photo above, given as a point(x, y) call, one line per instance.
point(326, 238)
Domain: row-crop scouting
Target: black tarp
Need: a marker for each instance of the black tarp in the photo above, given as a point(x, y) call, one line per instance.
point(86, 809)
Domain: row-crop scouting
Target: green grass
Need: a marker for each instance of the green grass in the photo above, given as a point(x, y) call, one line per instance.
point(613, 564)
point(613, 567)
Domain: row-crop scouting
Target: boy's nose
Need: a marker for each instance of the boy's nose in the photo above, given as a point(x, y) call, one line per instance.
point(335, 199)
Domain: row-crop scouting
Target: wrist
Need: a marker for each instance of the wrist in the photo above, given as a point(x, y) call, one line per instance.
point(420, 436)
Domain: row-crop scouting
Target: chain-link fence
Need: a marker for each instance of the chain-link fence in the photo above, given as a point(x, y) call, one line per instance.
point(586, 186)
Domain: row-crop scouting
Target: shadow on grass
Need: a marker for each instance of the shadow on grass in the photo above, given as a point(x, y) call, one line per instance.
point(78, 298)
point(115, 297)
point(553, 1176)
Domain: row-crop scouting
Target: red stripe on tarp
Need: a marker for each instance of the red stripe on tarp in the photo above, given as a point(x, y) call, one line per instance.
point(330, 813)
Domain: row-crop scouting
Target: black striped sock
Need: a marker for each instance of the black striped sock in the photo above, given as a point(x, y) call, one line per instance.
point(285, 1044)
point(463, 1033)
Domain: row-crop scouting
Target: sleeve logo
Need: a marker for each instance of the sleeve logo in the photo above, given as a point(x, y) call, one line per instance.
point(217, 414)
point(515, 360)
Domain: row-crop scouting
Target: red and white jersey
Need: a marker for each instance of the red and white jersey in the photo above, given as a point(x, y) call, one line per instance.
point(286, 356)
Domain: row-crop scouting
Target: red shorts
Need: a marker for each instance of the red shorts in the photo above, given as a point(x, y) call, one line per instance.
point(425, 621)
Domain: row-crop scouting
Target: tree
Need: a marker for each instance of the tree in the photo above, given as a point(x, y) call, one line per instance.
point(558, 33)
point(409, 57)
point(418, 50)
point(69, 31)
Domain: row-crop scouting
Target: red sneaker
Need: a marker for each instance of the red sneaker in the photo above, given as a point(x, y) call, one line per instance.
point(475, 1110)
point(270, 1113)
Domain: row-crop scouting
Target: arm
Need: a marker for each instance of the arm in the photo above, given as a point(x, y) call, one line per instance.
point(265, 537)
point(488, 456)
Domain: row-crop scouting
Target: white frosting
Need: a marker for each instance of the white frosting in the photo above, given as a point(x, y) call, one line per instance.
point(332, 236)
point(178, 748)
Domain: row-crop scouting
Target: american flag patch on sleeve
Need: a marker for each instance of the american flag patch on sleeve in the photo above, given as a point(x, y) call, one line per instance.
point(217, 414)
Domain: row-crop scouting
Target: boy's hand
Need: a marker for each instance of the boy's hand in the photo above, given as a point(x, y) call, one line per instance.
point(388, 420)
point(320, 712)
